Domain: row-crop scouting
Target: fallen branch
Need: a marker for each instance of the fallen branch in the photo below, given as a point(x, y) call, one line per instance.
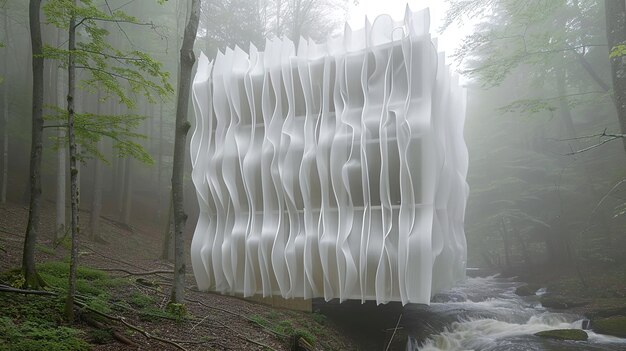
point(116, 334)
point(234, 314)
point(119, 260)
point(394, 332)
point(243, 337)
point(131, 326)
point(10, 289)
point(129, 273)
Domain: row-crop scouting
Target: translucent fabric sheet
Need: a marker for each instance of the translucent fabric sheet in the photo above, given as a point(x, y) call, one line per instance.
point(336, 170)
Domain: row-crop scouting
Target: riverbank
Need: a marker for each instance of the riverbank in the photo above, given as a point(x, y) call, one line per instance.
point(596, 291)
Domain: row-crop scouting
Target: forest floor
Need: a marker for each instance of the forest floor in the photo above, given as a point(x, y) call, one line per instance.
point(117, 278)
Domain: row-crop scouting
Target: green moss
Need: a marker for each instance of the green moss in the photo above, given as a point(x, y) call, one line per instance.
point(178, 310)
point(152, 314)
point(37, 336)
point(564, 334)
point(140, 300)
point(89, 281)
point(615, 326)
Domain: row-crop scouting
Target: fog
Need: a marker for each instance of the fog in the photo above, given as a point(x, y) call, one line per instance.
point(547, 169)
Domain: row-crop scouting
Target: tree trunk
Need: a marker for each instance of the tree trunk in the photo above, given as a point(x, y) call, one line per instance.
point(187, 60)
point(522, 244)
point(160, 165)
point(5, 119)
point(570, 133)
point(165, 252)
point(32, 279)
point(96, 201)
point(616, 35)
point(74, 192)
point(61, 159)
point(126, 193)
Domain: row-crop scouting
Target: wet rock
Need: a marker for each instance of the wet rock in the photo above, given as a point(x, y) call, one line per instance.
point(605, 312)
point(560, 303)
point(526, 290)
point(586, 324)
point(615, 326)
point(564, 334)
point(449, 297)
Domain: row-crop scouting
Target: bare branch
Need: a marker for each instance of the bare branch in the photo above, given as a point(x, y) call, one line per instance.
point(607, 194)
point(593, 146)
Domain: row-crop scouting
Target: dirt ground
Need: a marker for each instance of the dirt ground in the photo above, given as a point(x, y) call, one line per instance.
point(213, 322)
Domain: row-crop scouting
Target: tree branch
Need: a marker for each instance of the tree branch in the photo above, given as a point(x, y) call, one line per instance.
point(10, 289)
point(118, 58)
point(111, 74)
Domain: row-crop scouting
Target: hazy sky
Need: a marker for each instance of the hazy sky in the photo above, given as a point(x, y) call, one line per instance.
point(395, 8)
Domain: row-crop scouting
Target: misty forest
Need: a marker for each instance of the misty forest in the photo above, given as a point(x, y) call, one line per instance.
point(112, 238)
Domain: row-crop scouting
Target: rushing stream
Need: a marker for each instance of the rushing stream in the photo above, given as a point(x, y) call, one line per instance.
point(486, 314)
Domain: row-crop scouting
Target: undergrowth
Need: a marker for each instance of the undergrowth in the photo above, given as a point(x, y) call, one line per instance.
point(283, 327)
point(34, 323)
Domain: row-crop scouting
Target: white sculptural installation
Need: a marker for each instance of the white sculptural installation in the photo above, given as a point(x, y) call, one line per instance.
point(336, 171)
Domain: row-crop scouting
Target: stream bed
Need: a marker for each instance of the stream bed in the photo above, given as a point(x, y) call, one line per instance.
point(484, 313)
point(481, 314)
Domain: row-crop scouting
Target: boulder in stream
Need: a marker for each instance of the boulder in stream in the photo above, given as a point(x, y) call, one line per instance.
point(560, 303)
point(526, 290)
point(615, 326)
point(564, 334)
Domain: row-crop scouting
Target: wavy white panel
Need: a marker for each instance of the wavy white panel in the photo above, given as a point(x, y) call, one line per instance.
point(337, 171)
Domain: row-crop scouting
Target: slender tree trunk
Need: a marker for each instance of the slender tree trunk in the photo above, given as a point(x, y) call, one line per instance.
point(32, 279)
point(96, 201)
point(74, 191)
point(126, 194)
point(160, 164)
point(616, 35)
point(165, 252)
point(522, 244)
point(119, 180)
point(187, 60)
point(5, 118)
point(61, 158)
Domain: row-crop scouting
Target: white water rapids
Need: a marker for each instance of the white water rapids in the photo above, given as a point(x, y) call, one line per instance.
point(485, 314)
